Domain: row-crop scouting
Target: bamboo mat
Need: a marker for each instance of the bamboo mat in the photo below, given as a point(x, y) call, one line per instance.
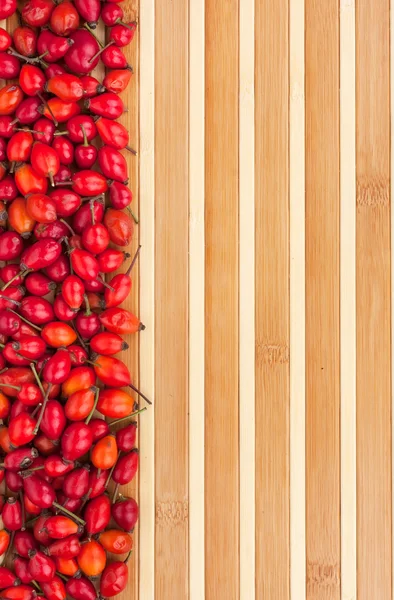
point(265, 169)
point(265, 284)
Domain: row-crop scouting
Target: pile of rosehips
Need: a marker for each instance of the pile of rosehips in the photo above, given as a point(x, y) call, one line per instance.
point(64, 224)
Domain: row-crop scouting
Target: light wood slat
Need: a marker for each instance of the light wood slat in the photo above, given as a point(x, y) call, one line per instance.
point(374, 534)
point(221, 301)
point(196, 300)
point(147, 297)
point(247, 561)
point(272, 300)
point(297, 302)
point(348, 299)
point(171, 299)
point(322, 299)
point(392, 282)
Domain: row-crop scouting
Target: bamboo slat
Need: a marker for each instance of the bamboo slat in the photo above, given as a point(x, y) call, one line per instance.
point(221, 301)
point(374, 538)
point(322, 300)
point(272, 300)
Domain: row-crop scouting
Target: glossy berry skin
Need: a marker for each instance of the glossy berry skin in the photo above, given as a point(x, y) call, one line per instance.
point(45, 160)
point(120, 227)
point(107, 105)
point(105, 453)
point(76, 483)
point(113, 164)
point(21, 429)
point(41, 208)
point(64, 149)
point(125, 513)
point(12, 514)
point(122, 35)
point(80, 56)
point(56, 466)
point(89, 11)
point(92, 559)
point(114, 579)
point(73, 291)
point(32, 80)
point(11, 96)
point(115, 403)
point(84, 264)
point(126, 437)
point(58, 334)
point(99, 429)
point(66, 87)
point(54, 420)
point(68, 547)
point(58, 270)
point(81, 589)
point(41, 567)
point(117, 80)
point(38, 284)
point(57, 368)
point(60, 527)
point(64, 19)
point(77, 439)
point(89, 183)
point(126, 468)
point(80, 378)
point(41, 255)
point(115, 541)
point(79, 404)
point(9, 66)
point(97, 514)
point(66, 201)
point(39, 491)
point(5, 39)
point(54, 590)
point(24, 541)
point(21, 567)
point(120, 320)
point(37, 310)
point(36, 13)
point(108, 344)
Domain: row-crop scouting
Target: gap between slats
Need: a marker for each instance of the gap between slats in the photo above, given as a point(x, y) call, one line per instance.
point(147, 286)
point(246, 300)
point(348, 299)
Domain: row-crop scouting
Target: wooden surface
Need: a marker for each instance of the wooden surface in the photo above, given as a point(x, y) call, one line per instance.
point(266, 284)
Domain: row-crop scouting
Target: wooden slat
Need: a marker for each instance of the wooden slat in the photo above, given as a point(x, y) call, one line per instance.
point(171, 299)
point(221, 301)
point(322, 299)
point(374, 537)
point(147, 297)
point(247, 562)
point(348, 299)
point(196, 300)
point(297, 301)
point(272, 300)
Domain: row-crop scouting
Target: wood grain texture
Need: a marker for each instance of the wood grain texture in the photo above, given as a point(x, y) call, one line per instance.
point(247, 397)
point(272, 300)
point(221, 301)
point(196, 300)
point(348, 300)
point(297, 298)
point(146, 556)
point(171, 300)
point(322, 299)
point(373, 301)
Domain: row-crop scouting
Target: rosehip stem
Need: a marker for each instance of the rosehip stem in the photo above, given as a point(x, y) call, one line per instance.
point(126, 560)
point(13, 387)
point(23, 511)
point(61, 576)
point(25, 320)
point(3, 297)
point(134, 414)
point(88, 310)
point(115, 494)
point(41, 97)
point(133, 261)
point(93, 34)
point(71, 230)
point(43, 407)
point(100, 51)
point(96, 398)
point(105, 284)
point(111, 471)
point(69, 513)
point(135, 218)
point(137, 391)
point(84, 346)
point(130, 149)
point(33, 368)
point(11, 281)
